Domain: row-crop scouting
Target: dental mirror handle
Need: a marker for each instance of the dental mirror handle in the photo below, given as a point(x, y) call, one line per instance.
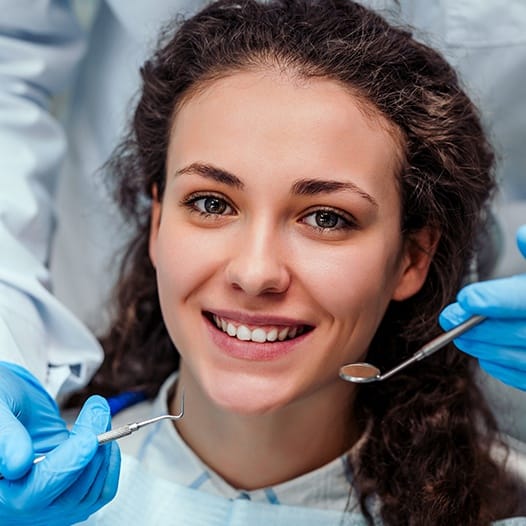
point(435, 344)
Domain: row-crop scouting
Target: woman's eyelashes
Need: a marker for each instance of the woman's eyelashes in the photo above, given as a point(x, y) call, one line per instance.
point(321, 220)
point(208, 205)
point(328, 219)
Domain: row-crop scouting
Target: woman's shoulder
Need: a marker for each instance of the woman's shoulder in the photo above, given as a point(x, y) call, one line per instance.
point(515, 521)
point(514, 459)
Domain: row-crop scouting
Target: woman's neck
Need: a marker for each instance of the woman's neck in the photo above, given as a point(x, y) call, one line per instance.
point(255, 451)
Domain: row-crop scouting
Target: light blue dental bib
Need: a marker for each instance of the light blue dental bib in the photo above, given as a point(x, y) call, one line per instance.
point(148, 500)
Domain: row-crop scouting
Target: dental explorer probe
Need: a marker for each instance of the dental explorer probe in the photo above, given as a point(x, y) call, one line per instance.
point(364, 373)
point(125, 430)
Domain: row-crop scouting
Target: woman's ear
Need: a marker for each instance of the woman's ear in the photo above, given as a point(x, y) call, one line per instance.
point(418, 251)
point(155, 220)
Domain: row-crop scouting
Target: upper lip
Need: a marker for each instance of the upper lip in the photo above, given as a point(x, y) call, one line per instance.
point(258, 319)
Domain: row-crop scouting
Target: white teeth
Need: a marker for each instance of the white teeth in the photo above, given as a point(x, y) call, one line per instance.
point(244, 333)
point(282, 334)
point(259, 334)
point(272, 335)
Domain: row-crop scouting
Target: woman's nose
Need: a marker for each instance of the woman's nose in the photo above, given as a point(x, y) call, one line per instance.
point(259, 264)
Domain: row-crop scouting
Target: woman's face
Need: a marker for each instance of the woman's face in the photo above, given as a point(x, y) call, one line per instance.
point(277, 244)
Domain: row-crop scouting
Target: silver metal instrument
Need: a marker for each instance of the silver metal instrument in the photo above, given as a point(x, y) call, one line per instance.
point(125, 430)
point(363, 373)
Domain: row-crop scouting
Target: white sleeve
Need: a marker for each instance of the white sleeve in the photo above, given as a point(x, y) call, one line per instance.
point(41, 44)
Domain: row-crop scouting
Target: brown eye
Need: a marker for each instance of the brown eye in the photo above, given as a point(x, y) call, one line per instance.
point(326, 219)
point(214, 205)
point(210, 205)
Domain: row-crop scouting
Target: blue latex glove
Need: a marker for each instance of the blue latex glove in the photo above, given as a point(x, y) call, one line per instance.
point(500, 341)
point(77, 477)
point(29, 420)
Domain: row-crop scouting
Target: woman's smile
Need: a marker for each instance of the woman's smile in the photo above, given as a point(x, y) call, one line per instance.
point(259, 331)
point(262, 337)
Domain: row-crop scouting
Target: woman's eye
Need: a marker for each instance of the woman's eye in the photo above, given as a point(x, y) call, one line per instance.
point(210, 205)
point(327, 220)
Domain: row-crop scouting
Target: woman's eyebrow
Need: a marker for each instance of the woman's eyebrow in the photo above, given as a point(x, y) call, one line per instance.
point(212, 172)
point(323, 186)
point(300, 187)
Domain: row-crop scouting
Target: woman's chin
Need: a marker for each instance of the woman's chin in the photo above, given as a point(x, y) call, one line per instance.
point(247, 400)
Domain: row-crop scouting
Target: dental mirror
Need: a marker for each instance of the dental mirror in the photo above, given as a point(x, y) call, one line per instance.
point(364, 373)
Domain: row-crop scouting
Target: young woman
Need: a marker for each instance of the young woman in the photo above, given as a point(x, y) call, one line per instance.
point(306, 183)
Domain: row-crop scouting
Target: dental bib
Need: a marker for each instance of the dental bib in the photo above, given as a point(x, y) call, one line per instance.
point(148, 500)
point(145, 499)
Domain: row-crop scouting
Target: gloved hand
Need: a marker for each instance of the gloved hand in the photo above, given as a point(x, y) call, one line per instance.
point(77, 476)
point(499, 342)
point(29, 420)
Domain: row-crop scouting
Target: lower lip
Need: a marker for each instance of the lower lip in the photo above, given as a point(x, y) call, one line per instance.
point(252, 351)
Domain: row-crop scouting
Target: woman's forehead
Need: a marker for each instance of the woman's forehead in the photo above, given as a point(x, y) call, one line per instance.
point(293, 76)
point(268, 108)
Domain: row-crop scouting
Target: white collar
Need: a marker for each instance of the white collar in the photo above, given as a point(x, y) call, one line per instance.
point(163, 452)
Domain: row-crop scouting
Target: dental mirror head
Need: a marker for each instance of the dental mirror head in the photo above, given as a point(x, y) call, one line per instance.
point(361, 373)
point(364, 373)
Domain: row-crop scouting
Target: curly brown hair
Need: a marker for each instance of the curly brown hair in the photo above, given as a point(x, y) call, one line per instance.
point(427, 454)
